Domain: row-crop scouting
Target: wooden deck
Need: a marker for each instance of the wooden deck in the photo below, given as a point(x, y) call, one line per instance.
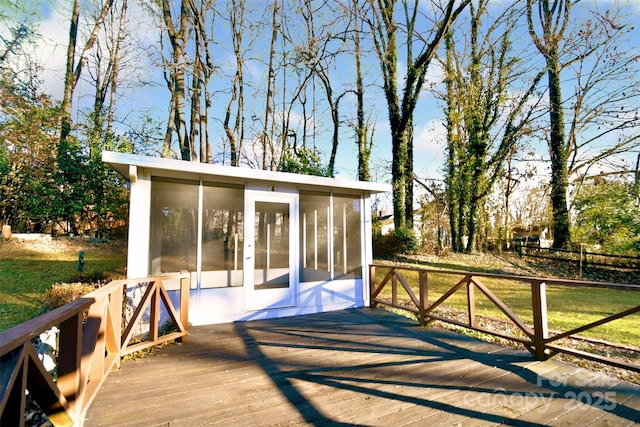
point(359, 367)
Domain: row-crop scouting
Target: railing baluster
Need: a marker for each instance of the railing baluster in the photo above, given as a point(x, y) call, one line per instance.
point(184, 301)
point(94, 338)
point(14, 366)
point(46, 393)
point(471, 302)
point(154, 314)
point(394, 288)
point(114, 326)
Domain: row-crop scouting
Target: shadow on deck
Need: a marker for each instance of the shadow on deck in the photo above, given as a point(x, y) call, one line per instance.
point(357, 367)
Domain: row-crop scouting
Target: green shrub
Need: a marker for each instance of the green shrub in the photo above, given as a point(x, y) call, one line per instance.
point(63, 293)
point(97, 277)
point(400, 241)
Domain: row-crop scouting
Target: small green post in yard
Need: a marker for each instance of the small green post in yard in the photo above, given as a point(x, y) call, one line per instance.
point(80, 261)
point(582, 254)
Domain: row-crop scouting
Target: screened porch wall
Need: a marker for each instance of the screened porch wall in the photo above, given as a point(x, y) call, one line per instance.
point(335, 255)
point(198, 227)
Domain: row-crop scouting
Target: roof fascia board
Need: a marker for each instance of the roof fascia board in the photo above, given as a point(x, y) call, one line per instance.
point(173, 168)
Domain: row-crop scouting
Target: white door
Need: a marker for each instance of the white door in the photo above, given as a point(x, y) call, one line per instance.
point(271, 250)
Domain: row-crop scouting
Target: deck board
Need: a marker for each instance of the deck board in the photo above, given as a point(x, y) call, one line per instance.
point(363, 367)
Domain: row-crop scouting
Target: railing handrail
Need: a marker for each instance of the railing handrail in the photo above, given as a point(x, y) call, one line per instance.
point(537, 338)
point(582, 257)
point(584, 252)
point(14, 337)
point(520, 278)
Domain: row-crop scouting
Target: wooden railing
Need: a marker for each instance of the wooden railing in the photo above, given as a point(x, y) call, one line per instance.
point(95, 331)
point(535, 335)
point(582, 258)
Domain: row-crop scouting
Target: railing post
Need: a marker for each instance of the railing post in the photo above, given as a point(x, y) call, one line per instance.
point(424, 296)
point(471, 302)
point(69, 358)
point(114, 328)
point(185, 287)
point(540, 321)
point(94, 347)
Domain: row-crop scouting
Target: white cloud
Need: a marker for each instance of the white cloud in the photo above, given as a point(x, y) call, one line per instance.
point(50, 51)
point(429, 148)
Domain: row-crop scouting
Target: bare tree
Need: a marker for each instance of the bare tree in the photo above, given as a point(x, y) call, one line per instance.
point(268, 110)
point(554, 20)
point(364, 139)
point(235, 132)
point(14, 16)
point(73, 68)
point(320, 59)
point(488, 111)
point(385, 31)
point(16, 64)
point(203, 68)
point(175, 79)
point(604, 99)
point(117, 49)
point(104, 70)
point(291, 73)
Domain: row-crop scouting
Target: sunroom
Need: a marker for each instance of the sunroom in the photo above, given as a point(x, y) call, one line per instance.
point(256, 244)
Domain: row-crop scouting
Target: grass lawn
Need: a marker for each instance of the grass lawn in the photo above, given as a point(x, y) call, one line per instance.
point(568, 307)
point(27, 269)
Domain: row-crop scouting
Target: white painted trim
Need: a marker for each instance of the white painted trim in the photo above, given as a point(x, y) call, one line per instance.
point(330, 238)
point(367, 248)
point(138, 262)
point(291, 198)
point(196, 170)
point(199, 235)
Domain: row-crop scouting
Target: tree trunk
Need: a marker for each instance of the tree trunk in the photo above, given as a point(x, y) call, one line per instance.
point(72, 75)
point(116, 66)
point(335, 118)
point(176, 80)
point(235, 133)
point(384, 30)
point(636, 181)
point(558, 152)
point(69, 84)
point(270, 84)
point(398, 177)
point(408, 170)
point(553, 22)
point(197, 76)
point(364, 150)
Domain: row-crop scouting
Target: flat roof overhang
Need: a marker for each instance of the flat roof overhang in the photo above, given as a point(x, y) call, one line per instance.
point(172, 168)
